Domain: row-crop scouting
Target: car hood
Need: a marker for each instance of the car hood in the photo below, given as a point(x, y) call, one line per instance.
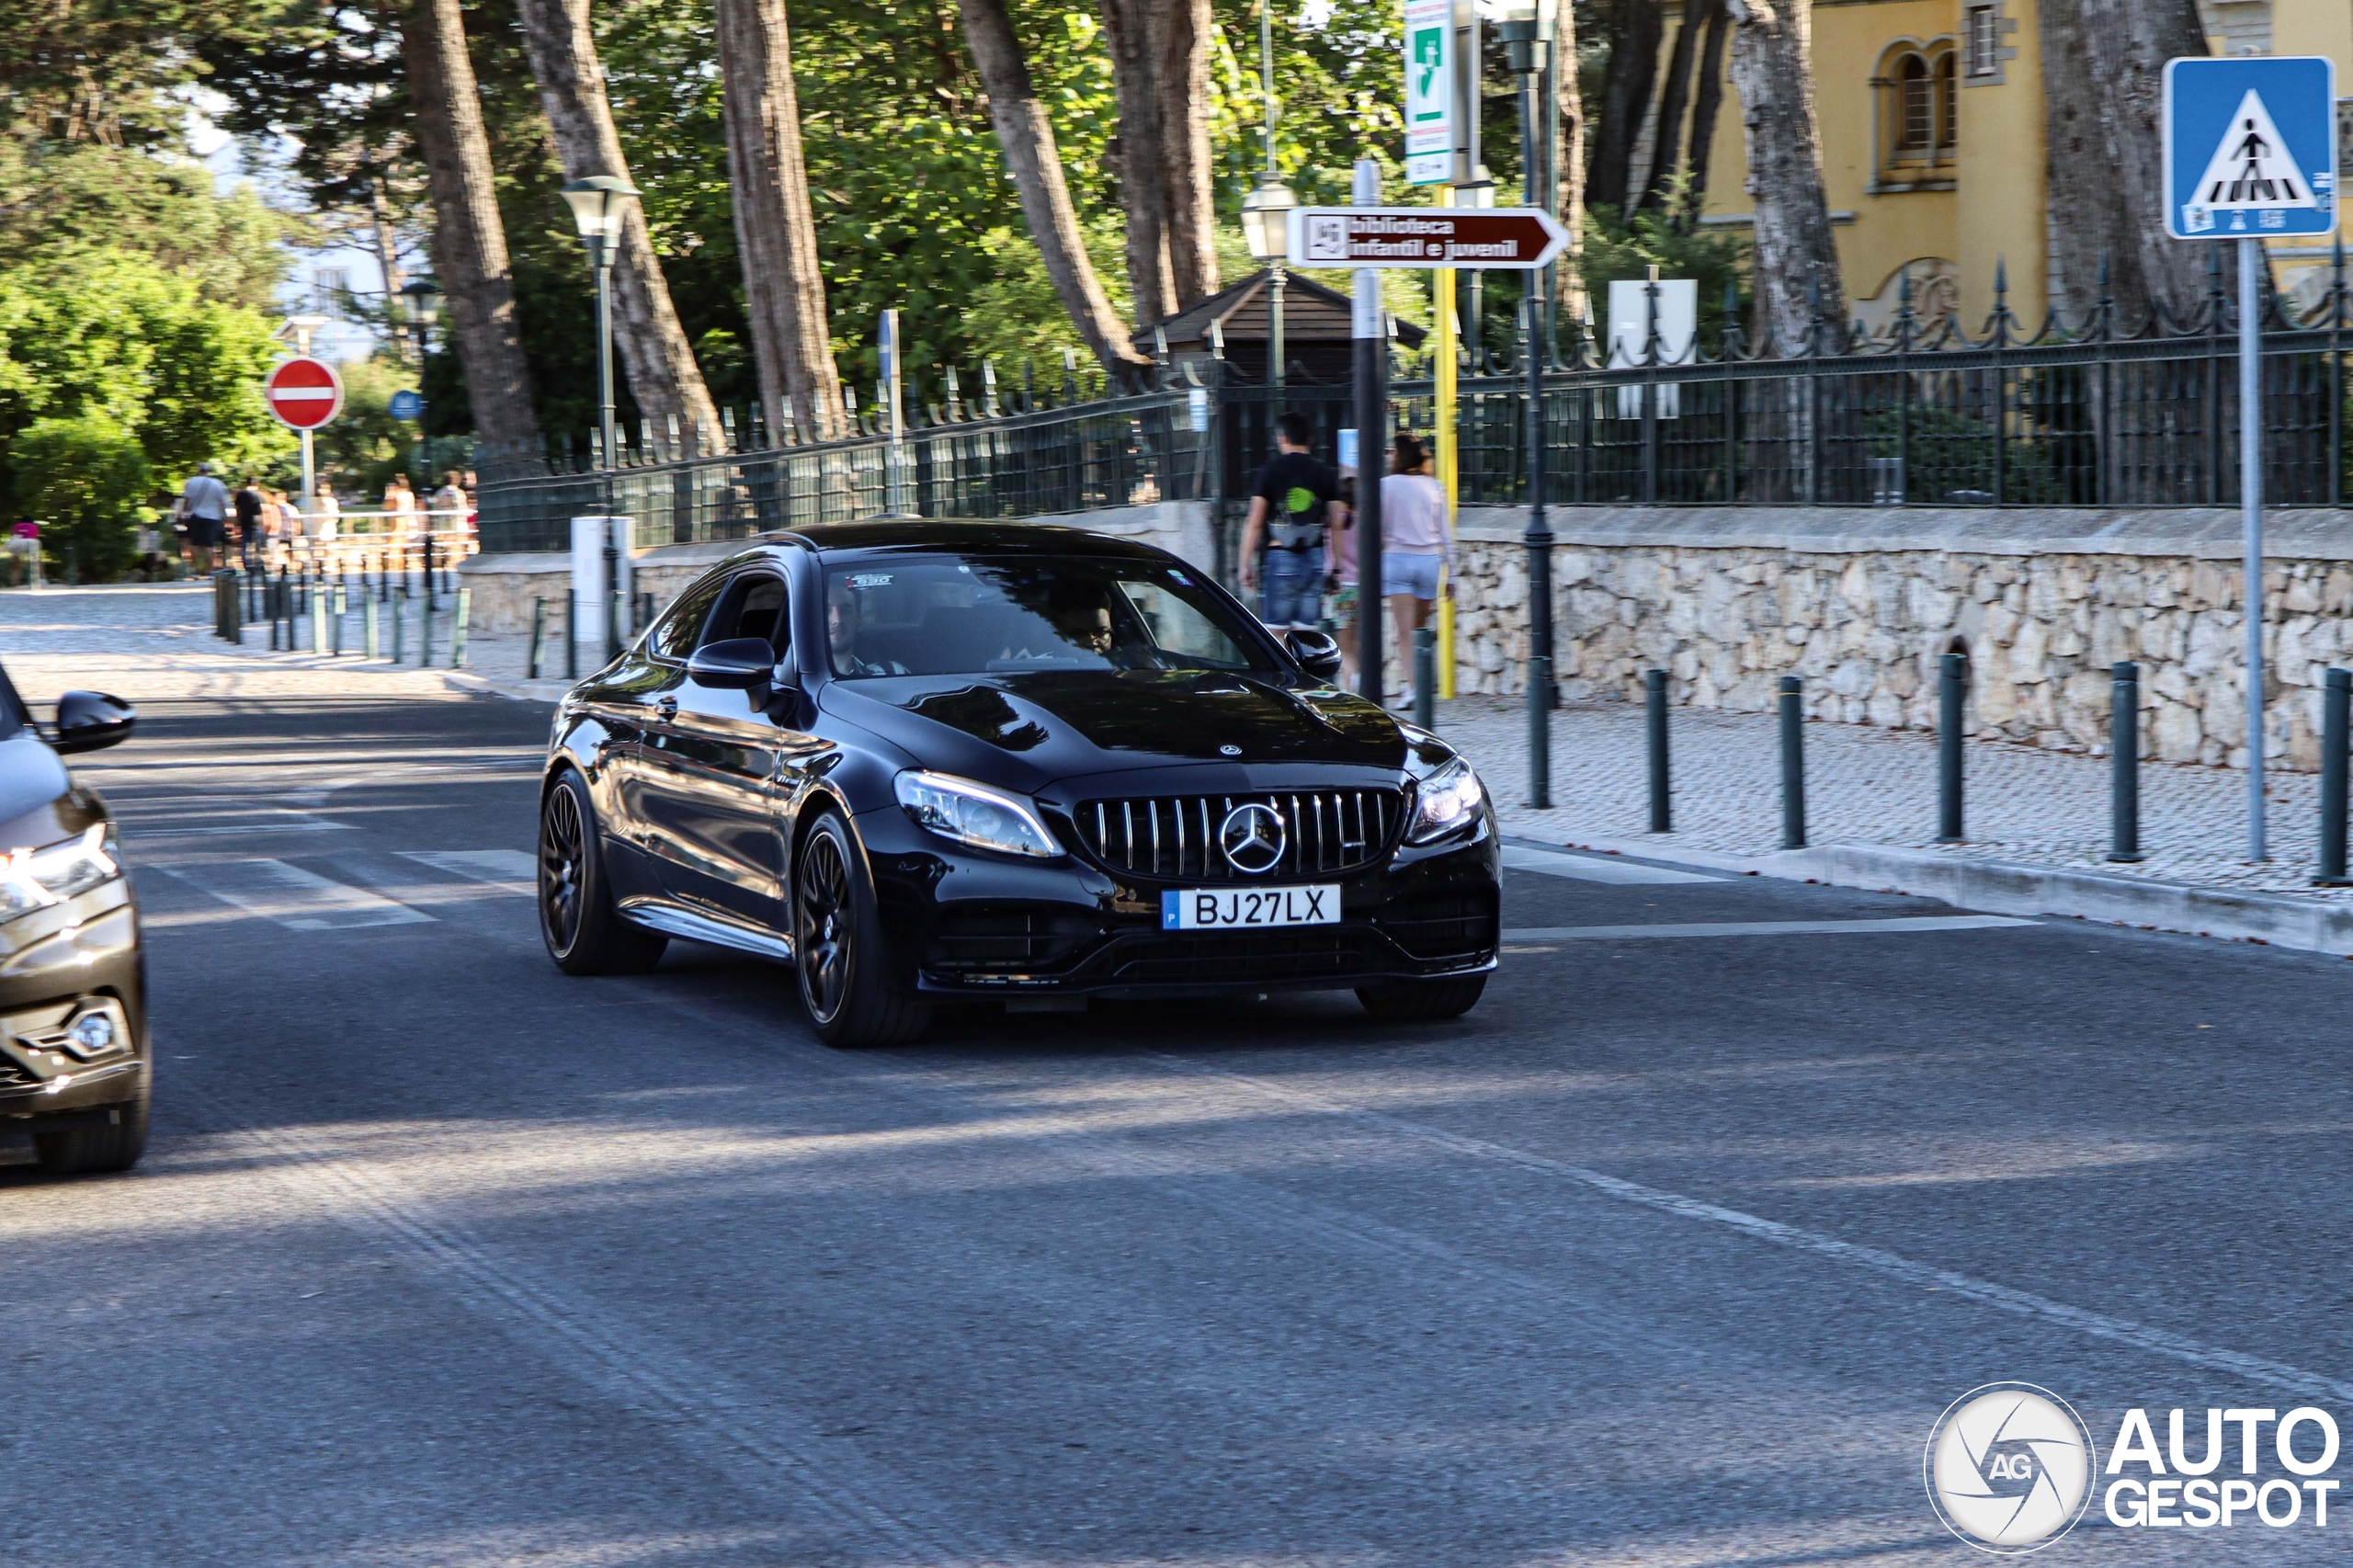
point(1023, 730)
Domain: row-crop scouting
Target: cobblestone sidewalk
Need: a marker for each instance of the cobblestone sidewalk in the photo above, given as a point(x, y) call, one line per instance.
point(1866, 785)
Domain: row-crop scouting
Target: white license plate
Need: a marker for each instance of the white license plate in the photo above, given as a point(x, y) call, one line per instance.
point(1222, 909)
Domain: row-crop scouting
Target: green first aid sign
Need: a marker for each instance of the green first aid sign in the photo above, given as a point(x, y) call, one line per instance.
point(1430, 91)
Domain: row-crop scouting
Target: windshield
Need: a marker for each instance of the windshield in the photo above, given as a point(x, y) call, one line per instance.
point(956, 615)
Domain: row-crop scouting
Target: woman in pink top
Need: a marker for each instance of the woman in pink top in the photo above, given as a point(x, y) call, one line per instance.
point(1416, 541)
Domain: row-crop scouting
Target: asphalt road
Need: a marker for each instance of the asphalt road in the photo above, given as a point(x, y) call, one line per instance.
point(1671, 1253)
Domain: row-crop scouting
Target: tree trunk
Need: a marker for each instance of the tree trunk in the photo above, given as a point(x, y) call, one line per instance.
point(469, 239)
point(1674, 99)
point(662, 376)
point(775, 228)
point(2083, 182)
point(1181, 76)
point(1772, 69)
point(1707, 101)
point(1568, 163)
point(385, 238)
point(1144, 199)
point(1027, 138)
point(1635, 28)
point(2125, 45)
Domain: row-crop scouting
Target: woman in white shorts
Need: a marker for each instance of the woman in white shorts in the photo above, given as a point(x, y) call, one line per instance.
point(1416, 541)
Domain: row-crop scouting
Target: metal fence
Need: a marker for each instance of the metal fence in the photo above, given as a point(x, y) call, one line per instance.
point(1080, 457)
point(2080, 415)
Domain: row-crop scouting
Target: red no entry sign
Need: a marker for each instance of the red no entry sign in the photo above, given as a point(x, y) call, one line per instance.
point(304, 393)
point(1503, 238)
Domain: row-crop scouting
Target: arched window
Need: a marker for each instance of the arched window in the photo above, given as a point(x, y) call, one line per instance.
point(1918, 120)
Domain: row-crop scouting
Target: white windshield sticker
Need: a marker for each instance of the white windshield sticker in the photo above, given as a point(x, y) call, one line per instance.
point(868, 580)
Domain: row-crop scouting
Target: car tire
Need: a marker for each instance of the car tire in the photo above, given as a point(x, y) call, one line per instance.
point(584, 932)
point(840, 956)
point(1422, 1001)
point(99, 1151)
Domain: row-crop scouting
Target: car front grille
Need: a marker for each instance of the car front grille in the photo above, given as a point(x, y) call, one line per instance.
point(1447, 926)
point(1305, 953)
point(1326, 833)
point(994, 936)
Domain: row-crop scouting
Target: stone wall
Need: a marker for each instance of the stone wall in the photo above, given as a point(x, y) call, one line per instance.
point(1859, 603)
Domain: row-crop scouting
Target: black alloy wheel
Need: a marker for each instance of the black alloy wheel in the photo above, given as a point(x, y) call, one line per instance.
point(839, 952)
point(585, 934)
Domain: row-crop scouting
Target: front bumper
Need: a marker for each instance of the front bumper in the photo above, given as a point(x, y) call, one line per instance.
point(977, 926)
point(63, 964)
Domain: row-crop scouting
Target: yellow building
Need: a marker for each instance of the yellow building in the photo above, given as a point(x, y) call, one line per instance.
point(1932, 131)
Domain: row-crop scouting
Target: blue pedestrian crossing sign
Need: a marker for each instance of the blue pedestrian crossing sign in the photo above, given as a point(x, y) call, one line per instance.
point(2250, 147)
point(406, 404)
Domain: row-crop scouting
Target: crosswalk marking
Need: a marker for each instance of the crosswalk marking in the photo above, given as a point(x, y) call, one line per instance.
point(1767, 928)
point(510, 870)
point(1594, 869)
point(294, 898)
point(265, 820)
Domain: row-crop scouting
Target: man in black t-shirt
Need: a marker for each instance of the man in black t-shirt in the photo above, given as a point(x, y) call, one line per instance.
point(247, 501)
point(1294, 500)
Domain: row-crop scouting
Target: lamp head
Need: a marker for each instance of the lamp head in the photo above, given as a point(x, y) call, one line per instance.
point(598, 204)
point(1266, 217)
point(425, 299)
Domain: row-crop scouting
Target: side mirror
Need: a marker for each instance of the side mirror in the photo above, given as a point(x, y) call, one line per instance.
point(1317, 653)
point(89, 721)
point(738, 663)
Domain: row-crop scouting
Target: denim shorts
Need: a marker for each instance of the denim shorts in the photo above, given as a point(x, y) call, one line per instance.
point(1405, 574)
point(1291, 587)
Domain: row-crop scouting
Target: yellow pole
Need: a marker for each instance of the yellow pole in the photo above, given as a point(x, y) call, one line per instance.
point(1442, 309)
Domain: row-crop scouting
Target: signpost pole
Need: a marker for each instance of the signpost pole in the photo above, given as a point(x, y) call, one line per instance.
point(2251, 263)
point(1449, 460)
point(1373, 445)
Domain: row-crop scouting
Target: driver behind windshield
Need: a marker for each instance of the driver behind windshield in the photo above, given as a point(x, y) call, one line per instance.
point(845, 615)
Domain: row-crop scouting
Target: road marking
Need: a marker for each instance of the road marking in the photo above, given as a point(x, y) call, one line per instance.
point(509, 871)
point(1596, 868)
point(1766, 929)
point(2023, 1303)
point(280, 822)
point(296, 898)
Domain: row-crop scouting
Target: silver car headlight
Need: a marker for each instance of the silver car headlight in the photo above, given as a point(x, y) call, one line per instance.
point(36, 878)
point(975, 814)
point(1445, 801)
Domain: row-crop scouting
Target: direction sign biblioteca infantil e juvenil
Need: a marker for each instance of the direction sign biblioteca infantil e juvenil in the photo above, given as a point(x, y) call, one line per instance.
point(1503, 239)
point(2250, 145)
point(304, 393)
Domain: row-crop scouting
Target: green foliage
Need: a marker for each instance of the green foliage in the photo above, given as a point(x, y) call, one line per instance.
point(365, 445)
point(85, 478)
point(59, 198)
point(90, 333)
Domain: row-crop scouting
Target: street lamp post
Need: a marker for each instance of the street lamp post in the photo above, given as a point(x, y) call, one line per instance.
point(424, 301)
point(1526, 50)
point(599, 204)
point(1265, 211)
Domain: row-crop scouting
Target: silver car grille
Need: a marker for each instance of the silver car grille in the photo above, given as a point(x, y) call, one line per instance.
point(1324, 832)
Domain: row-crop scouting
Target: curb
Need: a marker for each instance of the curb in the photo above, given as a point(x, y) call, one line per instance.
point(2007, 887)
point(515, 690)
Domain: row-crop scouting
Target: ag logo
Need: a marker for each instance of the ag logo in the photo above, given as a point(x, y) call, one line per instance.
point(1252, 837)
point(2008, 1468)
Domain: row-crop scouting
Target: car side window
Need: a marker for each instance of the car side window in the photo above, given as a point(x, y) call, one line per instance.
point(679, 631)
point(753, 607)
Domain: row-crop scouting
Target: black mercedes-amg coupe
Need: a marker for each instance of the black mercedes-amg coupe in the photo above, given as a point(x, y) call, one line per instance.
point(926, 762)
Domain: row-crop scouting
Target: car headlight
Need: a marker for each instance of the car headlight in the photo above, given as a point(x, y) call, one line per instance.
point(975, 814)
point(1445, 801)
point(35, 878)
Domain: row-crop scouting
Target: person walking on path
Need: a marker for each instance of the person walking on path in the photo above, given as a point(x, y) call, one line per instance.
point(1417, 540)
point(1293, 500)
point(325, 511)
point(205, 504)
point(249, 503)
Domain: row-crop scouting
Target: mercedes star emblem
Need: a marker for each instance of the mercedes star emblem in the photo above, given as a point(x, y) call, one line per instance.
point(1229, 751)
point(1252, 837)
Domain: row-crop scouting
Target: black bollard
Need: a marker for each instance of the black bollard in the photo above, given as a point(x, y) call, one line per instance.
point(2124, 762)
point(1425, 677)
point(1792, 765)
point(538, 635)
point(1655, 728)
point(1952, 682)
point(571, 635)
point(2335, 709)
